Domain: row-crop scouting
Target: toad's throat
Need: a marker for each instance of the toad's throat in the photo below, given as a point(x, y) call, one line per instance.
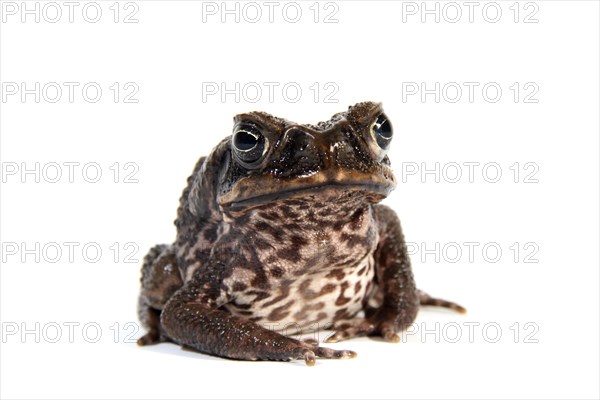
point(255, 191)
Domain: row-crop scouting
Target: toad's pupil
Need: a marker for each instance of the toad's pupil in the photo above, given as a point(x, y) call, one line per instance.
point(381, 131)
point(383, 127)
point(245, 141)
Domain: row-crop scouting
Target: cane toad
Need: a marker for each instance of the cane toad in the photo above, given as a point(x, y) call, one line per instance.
point(278, 227)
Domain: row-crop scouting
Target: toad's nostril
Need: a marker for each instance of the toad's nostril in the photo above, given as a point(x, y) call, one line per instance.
point(299, 139)
point(300, 154)
point(343, 152)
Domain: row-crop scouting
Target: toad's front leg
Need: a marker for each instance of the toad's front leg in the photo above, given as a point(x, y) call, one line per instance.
point(394, 278)
point(192, 318)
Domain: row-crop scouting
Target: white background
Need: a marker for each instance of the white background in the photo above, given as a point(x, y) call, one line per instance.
point(369, 54)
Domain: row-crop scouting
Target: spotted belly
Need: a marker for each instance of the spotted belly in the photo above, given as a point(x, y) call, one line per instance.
point(312, 302)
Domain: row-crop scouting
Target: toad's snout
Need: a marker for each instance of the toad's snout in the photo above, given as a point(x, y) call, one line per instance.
point(310, 151)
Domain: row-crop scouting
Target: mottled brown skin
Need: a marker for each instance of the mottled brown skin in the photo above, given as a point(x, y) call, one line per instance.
point(294, 239)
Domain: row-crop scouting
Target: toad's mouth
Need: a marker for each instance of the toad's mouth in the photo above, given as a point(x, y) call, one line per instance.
point(259, 190)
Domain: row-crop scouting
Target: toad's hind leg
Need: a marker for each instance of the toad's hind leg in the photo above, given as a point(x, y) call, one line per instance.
point(160, 279)
point(427, 300)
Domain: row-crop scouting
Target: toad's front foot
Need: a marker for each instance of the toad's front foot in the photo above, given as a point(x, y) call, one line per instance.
point(377, 325)
point(386, 322)
point(310, 351)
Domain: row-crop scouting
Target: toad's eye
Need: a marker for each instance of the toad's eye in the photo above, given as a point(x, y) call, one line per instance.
point(381, 131)
point(248, 142)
